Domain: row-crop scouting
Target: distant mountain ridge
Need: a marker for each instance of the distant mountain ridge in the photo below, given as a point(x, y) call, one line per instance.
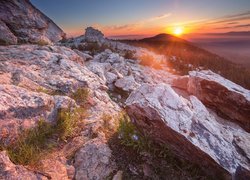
point(187, 56)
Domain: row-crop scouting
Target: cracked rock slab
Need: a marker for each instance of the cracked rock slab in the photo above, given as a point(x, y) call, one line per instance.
point(189, 129)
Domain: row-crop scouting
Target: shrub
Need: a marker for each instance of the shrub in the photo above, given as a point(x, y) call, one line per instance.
point(129, 55)
point(109, 125)
point(42, 42)
point(68, 120)
point(80, 96)
point(131, 137)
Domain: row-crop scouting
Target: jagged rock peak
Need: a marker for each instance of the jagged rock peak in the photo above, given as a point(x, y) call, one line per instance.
point(93, 35)
point(21, 22)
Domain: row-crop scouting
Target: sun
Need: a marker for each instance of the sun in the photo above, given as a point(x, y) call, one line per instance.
point(178, 31)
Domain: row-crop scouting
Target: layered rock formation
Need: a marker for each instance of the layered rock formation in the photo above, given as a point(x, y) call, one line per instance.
point(189, 129)
point(227, 98)
point(21, 22)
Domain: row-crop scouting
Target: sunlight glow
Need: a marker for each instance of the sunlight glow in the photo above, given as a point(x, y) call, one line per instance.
point(178, 31)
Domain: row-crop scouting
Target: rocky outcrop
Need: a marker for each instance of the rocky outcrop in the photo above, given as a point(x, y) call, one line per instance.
point(21, 109)
point(127, 83)
point(31, 76)
point(94, 35)
point(227, 98)
point(10, 171)
point(93, 161)
point(125, 74)
point(21, 22)
point(37, 80)
point(189, 129)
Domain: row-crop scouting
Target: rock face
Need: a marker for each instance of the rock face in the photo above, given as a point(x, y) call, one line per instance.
point(190, 130)
point(21, 109)
point(93, 161)
point(94, 35)
point(226, 97)
point(127, 84)
point(21, 22)
point(10, 171)
point(30, 78)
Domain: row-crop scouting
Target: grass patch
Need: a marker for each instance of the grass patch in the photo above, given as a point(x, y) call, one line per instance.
point(50, 92)
point(31, 143)
point(67, 122)
point(132, 148)
point(109, 125)
point(80, 96)
point(36, 142)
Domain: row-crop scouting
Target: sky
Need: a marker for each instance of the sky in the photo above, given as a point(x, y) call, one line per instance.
point(147, 17)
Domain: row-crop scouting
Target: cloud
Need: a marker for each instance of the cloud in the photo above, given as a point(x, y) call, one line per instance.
point(223, 22)
point(163, 16)
point(238, 26)
point(229, 19)
point(131, 26)
point(243, 25)
point(237, 15)
point(233, 23)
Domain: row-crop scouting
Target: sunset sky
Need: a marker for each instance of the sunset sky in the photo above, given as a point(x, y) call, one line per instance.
point(148, 17)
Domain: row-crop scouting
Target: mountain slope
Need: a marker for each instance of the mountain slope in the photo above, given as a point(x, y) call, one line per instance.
point(185, 56)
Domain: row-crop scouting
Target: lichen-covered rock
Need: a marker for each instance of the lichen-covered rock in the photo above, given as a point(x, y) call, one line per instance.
point(21, 109)
point(226, 97)
point(189, 129)
point(93, 161)
point(21, 22)
point(30, 78)
point(10, 171)
point(28, 72)
point(127, 83)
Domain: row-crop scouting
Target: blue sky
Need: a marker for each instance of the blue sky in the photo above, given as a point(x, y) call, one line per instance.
point(143, 16)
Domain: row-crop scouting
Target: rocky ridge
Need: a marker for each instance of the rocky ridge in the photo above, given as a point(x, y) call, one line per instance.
point(37, 81)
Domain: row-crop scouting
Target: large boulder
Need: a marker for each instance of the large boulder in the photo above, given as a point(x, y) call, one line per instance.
point(189, 129)
point(226, 97)
point(127, 84)
point(21, 22)
point(94, 35)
